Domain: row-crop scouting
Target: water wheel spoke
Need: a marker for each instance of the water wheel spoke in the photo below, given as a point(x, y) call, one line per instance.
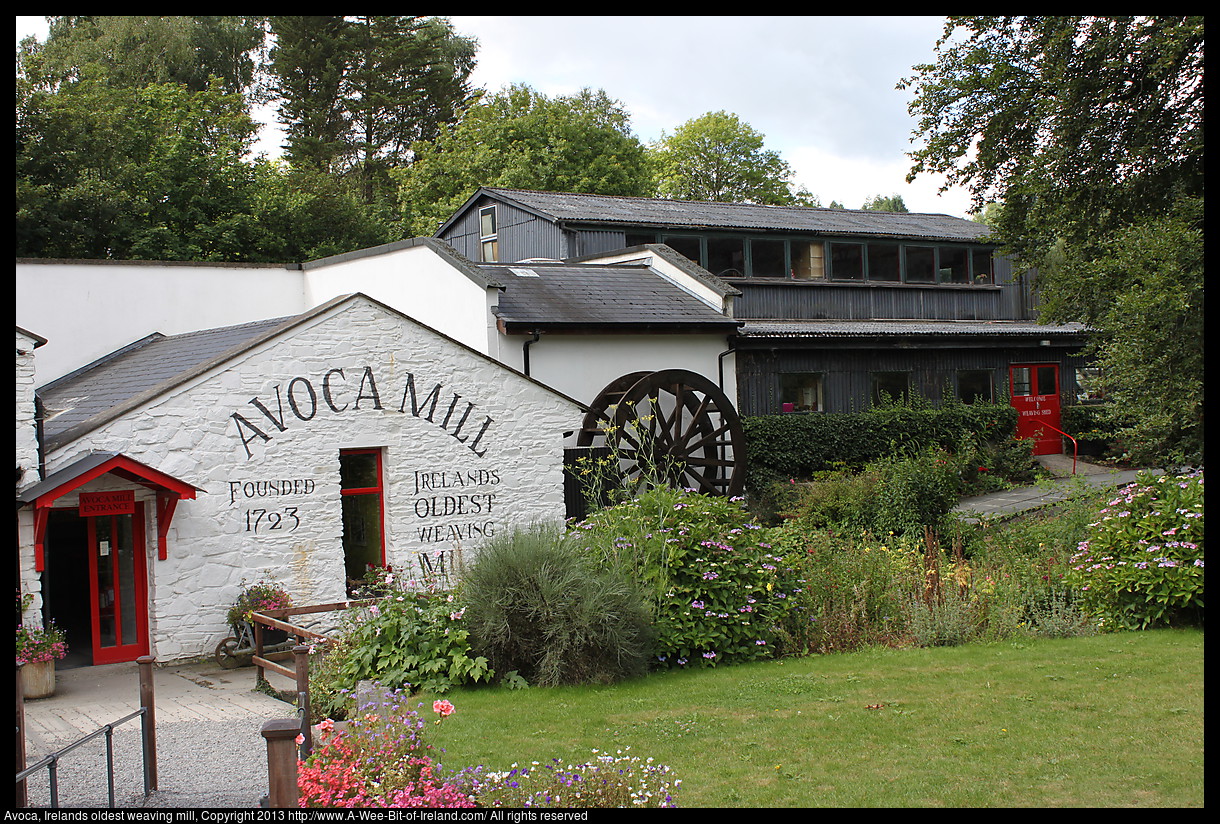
point(675, 423)
point(709, 439)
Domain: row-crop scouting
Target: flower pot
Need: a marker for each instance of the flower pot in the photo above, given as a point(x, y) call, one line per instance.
point(38, 679)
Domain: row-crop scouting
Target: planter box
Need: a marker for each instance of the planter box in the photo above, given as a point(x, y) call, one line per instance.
point(38, 679)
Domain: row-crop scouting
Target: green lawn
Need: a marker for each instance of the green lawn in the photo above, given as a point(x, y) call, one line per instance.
point(1106, 721)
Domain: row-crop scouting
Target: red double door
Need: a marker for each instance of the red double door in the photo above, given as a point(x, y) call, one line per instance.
point(118, 595)
point(1034, 389)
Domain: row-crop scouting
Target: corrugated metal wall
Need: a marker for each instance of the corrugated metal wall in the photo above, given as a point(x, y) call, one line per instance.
point(847, 386)
point(815, 301)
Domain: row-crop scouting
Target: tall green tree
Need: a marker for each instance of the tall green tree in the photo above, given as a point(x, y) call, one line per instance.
point(308, 64)
point(156, 172)
point(719, 157)
point(518, 138)
point(882, 203)
point(357, 92)
point(1090, 131)
point(136, 51)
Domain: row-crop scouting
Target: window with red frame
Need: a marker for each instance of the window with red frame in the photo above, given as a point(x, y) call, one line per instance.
point(360, 479)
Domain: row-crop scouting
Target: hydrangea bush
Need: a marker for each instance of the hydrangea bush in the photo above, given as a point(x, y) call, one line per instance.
point(720, 594)
point(1142, 563)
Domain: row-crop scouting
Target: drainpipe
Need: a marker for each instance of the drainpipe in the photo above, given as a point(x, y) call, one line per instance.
point(720, 367)
point(525, 352)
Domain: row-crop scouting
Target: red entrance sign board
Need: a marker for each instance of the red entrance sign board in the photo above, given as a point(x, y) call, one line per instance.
point(118, 502)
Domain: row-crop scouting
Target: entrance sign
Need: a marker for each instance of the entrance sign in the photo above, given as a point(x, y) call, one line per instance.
point(116, 502)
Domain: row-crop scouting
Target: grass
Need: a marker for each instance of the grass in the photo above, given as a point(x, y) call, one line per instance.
point(1105, 721)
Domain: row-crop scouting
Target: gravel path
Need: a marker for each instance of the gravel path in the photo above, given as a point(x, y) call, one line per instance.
point(218, 764)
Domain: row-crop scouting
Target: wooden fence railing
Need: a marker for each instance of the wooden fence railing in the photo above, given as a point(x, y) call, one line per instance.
point(281, 734)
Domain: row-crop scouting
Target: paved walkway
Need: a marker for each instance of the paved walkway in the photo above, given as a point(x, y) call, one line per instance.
point(210, 750)
point(1066, 475)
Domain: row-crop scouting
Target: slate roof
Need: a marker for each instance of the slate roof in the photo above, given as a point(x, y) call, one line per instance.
point(142, 368)
point(660, 213)
point(598, 298)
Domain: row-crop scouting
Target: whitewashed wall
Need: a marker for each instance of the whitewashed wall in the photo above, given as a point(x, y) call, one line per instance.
point(502, 466)
point(413, 278)
point(87, 309)
point(580, 366)
point(27, 455)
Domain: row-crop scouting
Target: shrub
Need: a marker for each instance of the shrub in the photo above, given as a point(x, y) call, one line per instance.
point(1141, 564)
point(998, 465)
point(837, 499)
point(949, 621)
point(855, 591)
point(536, 604)
point(719, 593)
point(797, 446)
point(407, 639)
point(915, 491)
point(899, 495)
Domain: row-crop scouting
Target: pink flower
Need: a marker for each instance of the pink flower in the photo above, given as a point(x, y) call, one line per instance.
point(300, 739)
point(443, 707)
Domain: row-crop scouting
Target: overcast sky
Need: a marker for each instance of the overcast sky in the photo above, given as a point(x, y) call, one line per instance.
point(821, 89)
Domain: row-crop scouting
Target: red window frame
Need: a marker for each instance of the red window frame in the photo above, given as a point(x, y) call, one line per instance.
point(378, 490)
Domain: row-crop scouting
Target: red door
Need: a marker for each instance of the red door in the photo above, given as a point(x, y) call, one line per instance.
point(118, 596)
point(1034, 389)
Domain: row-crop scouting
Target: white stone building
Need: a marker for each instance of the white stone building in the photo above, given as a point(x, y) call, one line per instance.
point(195, 427)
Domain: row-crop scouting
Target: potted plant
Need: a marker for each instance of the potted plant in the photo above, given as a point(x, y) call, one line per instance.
point(260, 596)
point(38, 648)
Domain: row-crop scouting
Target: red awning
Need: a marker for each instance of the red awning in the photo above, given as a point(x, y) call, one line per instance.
point(43, 494)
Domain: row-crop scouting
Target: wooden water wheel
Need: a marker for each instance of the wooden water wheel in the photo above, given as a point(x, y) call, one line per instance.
point(673, 424)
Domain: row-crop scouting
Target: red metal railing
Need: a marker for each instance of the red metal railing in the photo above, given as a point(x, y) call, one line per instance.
point(1075, 446)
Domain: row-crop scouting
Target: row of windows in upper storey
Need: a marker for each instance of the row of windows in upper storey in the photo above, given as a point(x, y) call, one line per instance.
point(834, 260)
point(804, 259)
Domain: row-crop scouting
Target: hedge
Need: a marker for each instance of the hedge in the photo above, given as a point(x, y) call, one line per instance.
point(798, 445)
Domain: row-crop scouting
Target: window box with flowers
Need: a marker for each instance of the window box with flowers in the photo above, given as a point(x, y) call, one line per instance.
point(38, 648)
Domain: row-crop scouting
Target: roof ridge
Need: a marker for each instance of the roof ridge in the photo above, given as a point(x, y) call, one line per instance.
point(715, 203)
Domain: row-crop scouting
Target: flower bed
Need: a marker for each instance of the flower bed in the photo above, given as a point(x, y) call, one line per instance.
point(380, 759)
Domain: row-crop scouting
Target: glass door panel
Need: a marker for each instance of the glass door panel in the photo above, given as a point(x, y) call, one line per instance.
point(118, 596)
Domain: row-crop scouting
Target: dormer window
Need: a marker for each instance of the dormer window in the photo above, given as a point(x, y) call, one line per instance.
point(489, 242)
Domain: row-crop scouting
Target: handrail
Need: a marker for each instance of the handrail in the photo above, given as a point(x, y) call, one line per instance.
point(273, 618)
point(52, 761)
point(147, 715)
point(1075, 446)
